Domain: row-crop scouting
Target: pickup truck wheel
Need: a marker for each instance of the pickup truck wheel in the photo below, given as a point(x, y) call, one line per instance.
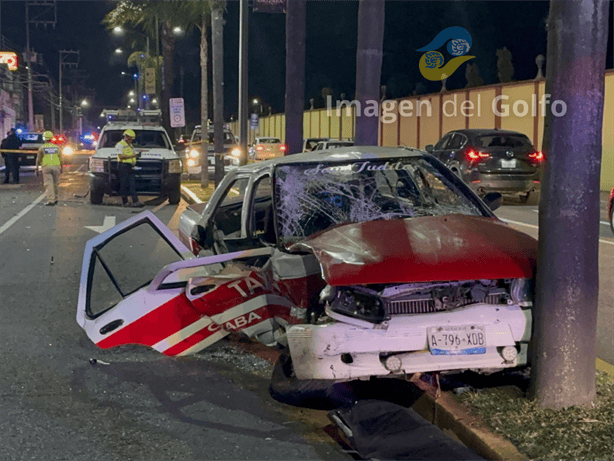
point(174, 196)
point(96, 195)
point(287, 388)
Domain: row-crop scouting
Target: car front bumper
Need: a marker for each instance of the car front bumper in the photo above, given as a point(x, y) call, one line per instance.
point(340, 350)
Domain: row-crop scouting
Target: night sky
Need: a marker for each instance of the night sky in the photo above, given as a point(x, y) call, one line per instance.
point(331, 47)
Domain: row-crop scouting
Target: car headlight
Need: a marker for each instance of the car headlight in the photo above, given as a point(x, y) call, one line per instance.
point(358, 303)
point(68, 150)
point(521, 291)
point(174, 166)
point(97, 165)
point(191, 162)
point(194, 153)
point(236, 152)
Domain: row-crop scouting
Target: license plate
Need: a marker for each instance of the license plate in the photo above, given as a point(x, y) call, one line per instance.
point(508, 163)
point(457, 340)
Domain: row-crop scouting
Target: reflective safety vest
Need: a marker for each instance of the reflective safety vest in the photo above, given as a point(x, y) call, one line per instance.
point(123, 148)
point(51, 155)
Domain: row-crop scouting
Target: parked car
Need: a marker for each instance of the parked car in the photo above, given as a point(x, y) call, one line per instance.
point(31, 141)
point(265, 148)
point(333, 144)
point(363, 261)
point(310, 144)
point(492, 160)
point(193, 148)
point(611, 209)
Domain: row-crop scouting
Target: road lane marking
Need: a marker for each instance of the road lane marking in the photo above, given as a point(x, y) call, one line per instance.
point(605, 223)
point(15, 218)
point(108, 223)
point(537, 227)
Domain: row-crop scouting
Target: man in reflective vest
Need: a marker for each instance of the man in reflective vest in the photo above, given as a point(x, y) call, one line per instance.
point(50, 159)
point(126, 159)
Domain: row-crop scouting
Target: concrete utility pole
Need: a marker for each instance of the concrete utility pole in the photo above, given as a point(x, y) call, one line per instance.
point(243, 95)
point(296, 11)
point(369, 67)
point(217, 44)
point(42, 16)
point(63, 63)
point(567, 285)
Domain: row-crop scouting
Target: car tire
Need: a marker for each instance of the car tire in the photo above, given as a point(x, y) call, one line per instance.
point(530, 198)
point(96, 195)
point(174, 196)
point(286, 388)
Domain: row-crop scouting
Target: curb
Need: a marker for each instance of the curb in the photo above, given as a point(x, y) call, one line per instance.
point(189, 196)
point(450, 416)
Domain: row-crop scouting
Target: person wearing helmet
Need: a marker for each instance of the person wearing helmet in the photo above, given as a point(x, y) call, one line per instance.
point(50, 159)
point(126, 159)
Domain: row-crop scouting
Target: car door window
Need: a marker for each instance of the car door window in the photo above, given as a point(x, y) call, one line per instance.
point(441, 145)
point(456, 142)
point(262, 220)
point(227, 216)
point(126, 263)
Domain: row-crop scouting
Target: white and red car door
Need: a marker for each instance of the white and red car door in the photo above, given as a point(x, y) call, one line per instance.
point(133, 289)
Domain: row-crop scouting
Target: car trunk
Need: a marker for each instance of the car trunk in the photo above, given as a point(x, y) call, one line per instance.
point(507, 160)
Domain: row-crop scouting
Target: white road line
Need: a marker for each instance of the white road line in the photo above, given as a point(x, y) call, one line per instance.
point(605, 223)
point(15, 218)
point(608, 242)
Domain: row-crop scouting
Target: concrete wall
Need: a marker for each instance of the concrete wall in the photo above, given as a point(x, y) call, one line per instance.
point(420, 120)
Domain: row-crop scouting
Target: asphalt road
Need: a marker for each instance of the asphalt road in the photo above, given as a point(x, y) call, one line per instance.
point(134, 403)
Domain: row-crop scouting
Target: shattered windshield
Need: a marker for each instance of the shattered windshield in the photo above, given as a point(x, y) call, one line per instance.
point(312, 197)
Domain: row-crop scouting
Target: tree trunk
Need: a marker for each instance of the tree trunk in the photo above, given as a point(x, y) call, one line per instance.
point(369, 68)
point(168, 52)
point(217, 44)
point(204, 104)
point(295, 74)
point(567, 284)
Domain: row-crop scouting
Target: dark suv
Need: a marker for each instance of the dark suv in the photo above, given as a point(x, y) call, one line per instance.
point(492, 161)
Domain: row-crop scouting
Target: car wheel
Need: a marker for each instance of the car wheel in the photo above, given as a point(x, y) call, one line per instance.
point(530, 198)
point(457, 172)
point(286, 388)
point(174, 196)
point(96, 196)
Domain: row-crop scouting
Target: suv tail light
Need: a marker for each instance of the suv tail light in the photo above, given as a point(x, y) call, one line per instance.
point(283, 148)
point(475, 155)
point(536, 157)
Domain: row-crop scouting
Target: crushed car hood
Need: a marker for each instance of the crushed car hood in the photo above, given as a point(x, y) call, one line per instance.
point(422, 249)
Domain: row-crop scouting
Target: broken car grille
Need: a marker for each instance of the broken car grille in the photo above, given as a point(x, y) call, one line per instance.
point(426, 305)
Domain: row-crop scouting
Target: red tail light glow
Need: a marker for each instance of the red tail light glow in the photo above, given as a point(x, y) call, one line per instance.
point(476, 156)
point(283, 148)
point(536, 157)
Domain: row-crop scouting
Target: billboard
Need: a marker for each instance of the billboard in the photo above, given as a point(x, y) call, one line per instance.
point(10, 58)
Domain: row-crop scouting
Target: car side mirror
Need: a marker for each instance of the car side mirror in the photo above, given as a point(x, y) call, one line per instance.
point(429, 148)
point(493, 200)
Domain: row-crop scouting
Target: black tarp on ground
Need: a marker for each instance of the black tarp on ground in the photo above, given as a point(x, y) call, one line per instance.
point(385, 430)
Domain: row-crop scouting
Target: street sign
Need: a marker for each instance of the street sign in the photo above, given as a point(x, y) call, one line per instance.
point(150, 80)
point(177, 112)
point(253, 122)
point(269, 6)
point(9, 58)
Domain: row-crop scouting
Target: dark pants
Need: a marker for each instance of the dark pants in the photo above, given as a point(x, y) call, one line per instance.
point(127, 182)
point(11, 166)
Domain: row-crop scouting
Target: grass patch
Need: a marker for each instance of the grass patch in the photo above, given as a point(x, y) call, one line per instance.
point(573, 433)
point(203, 194)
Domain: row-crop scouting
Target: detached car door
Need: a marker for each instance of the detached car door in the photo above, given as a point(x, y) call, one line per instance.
point(133, 289)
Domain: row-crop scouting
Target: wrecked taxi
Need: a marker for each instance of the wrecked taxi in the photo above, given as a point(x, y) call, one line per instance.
point(361, 262)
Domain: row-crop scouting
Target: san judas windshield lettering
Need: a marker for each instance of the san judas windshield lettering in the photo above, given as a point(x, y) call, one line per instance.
point(357, 167)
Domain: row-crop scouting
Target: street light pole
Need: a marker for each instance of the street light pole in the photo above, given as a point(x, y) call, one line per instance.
point(243, 107)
